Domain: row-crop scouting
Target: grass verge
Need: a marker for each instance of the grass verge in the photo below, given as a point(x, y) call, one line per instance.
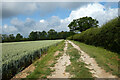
point(43, 69)
point(106, 59)
point(77, 68)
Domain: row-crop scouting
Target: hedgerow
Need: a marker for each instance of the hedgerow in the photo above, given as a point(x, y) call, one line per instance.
point(107, 36)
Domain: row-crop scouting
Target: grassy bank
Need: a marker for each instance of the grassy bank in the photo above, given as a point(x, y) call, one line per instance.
point(42, 69)
point(77, 68)
point(106, 59)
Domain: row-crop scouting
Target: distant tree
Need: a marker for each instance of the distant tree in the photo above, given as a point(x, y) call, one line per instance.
point(19, 37)
point(44, 35)
point(11, 37)
point(64, 34)
point(52, 34)
point(25, 39)
point(33, 36)
point(39, 35)
point(83, 24)
point(4, 37)
point(61, 35)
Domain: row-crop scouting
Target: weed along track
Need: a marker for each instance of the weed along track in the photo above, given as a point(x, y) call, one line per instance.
point(61, 64)
point(96, 71)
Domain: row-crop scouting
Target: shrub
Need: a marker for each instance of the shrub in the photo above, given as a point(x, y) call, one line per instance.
point(107, 36)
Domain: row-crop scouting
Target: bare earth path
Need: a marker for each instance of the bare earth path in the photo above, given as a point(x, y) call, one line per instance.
point(95, 69)
point(61, 64)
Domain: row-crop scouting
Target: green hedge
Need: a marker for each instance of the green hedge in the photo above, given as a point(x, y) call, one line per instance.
point(107, 36)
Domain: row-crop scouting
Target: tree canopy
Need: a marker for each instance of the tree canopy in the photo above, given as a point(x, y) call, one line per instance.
point(37, 35)
point(83, 24)
point(19, 37)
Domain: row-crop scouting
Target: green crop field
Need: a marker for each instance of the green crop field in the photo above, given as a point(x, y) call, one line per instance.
point(15, 49)
point(18, 55)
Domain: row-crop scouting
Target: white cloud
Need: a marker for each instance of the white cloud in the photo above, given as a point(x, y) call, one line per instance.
point(42, 21)
point(27, 8)
point(95, 10)
point(25, 27)
point(9, 29)
point(5, 26)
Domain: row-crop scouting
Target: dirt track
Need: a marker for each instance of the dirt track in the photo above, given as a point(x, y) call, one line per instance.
point(61, 64)
point(95, 69)
point(64, 61)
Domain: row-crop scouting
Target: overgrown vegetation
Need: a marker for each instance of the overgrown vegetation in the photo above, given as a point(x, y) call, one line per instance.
point(107, 36)
point(106, 59)
point(43, 69)
point(77, 68)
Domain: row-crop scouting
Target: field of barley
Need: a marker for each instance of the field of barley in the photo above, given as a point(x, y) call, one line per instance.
point(18, 55)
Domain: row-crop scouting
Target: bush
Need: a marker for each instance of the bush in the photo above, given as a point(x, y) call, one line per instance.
point(107, 36)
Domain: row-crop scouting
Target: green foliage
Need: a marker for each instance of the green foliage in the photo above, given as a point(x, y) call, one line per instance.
point(83, 24)
point(17, 56)
point(64, 34)
point(33, 35)
point(52, 34)
point(19, 37)
point(37, 35)
point(11, 36)
point(108, 36)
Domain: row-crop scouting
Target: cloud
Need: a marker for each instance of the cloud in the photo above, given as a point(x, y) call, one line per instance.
point(54, 21)
point(9, 29)
point(25, 27)
point(95, 10)
point(42, 21)
point(14, 8)
point(10, 9)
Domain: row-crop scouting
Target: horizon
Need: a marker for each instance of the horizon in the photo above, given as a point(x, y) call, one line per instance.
point(39, 16)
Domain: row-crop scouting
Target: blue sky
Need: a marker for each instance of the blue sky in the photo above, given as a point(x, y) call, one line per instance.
point(61, 12)
point(16, 17)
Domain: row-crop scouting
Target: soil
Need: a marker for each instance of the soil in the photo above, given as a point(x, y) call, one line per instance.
point(61, 64)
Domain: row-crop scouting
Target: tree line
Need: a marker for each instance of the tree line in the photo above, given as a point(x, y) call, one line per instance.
point(37, 35)
point(77, 25)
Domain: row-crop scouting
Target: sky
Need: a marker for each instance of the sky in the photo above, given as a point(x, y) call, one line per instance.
point(24, 17)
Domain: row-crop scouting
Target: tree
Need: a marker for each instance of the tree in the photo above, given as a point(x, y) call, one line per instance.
point(44, 35)
point(52, 34)
point(19, 37)
point(4, 37)
point(11, 37)
point(83, 24)
point(64, 35)
point(33, 36)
